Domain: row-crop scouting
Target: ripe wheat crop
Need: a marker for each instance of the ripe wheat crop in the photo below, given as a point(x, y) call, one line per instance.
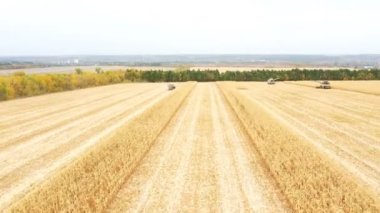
point(88, 184)
point(368, 87)
point(309, 181)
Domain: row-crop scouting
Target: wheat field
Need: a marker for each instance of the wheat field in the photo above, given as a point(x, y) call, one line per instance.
point(368, 87)
point(209, 147)
point(306, 173)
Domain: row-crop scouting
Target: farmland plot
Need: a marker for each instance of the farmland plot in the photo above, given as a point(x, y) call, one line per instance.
point(201, 162)
point(226, 146)
point(368, 87)
point(343, 125)
point(40, 135)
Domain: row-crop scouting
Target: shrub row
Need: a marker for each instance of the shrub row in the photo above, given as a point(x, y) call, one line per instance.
point(22, 85)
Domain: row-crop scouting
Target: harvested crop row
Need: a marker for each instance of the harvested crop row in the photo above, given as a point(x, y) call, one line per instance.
point(309, 181)
point(90, 182)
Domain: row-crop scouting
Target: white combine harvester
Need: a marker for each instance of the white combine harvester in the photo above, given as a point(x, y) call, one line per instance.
point(324, 85)
point(171, 86)
point(272, 81)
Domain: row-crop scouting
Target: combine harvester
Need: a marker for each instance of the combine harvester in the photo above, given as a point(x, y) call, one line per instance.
point(171, 87)
point(272, 81)
point(324, 85)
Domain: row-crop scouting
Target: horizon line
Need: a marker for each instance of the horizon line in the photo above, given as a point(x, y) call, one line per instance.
point(197, 54)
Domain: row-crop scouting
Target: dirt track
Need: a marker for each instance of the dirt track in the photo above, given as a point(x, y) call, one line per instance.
point(40, 135)
point(343, 125)
point(201, 162)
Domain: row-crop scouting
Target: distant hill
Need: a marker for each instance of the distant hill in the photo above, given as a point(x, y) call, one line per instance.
point(359, 61)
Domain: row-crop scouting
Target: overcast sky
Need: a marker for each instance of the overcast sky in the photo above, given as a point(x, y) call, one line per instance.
point(56, 27)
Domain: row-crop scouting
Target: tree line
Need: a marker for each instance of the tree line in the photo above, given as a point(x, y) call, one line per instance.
point(20, 84)
point(257, 75)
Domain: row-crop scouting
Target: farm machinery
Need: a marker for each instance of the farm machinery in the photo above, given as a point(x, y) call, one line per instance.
point(324, 85)
point(171, 87)
point(272, 81)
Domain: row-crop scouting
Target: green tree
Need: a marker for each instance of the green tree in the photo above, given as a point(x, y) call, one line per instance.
point(78, 71)
point(98, 70)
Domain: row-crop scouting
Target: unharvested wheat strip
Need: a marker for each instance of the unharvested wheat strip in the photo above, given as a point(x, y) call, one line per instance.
point(11, 159)
point(34, 177)
point(108, 163)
